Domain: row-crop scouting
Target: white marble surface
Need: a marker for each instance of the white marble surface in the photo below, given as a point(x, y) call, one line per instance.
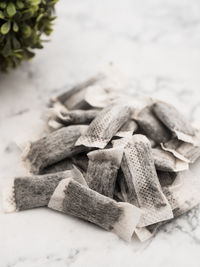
point(157, 45)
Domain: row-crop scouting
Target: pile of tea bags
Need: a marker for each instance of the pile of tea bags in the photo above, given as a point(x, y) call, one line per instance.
point(117, 161)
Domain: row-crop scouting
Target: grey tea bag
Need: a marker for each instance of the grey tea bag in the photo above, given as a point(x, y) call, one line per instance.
point(153, 128)
point(174, 121)
point(63, 165)
point(185, 151)
point(53, 148)
point(22, 193)
point(102, 170)
point(143, 234)
point(165, 161)
point(75, 97)
point(81, 161)
point(166, 178)
point(60, 116)
point(105, 126)
point(77, 200)
point(172, 146)
point(121, 189)
point(183, 195)
point(76, 116)
point(127, 129)
point(142, 181)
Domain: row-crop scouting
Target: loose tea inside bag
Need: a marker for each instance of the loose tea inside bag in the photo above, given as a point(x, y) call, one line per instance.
point(102, 170)
point(165, 161)
point(174, 121)
point(22, 193)
point(53, 148)
point(153, 128)
point(166, 178)
point(81, 161)
point(63, 165)
point(105, 126)
point(141, 177)
point(74, 199)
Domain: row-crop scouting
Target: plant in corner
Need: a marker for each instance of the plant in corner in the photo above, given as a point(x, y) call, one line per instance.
point(22, 23)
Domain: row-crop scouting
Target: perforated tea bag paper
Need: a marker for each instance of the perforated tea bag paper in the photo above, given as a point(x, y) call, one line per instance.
point(122, 162)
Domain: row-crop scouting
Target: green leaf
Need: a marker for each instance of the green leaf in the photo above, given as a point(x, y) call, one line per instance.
point(11, 10)
point(26, 30)
point(3, 5)
point(7, 48)
point(19, 4)
point(15, 43)
point(34, 2)
point(2, 15)
point(5, 28)
point(15, 27)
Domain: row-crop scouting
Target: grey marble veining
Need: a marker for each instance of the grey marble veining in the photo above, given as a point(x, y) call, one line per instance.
point(156, 45)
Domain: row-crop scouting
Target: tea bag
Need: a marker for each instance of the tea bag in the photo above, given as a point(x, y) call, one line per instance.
point(185, 151)
point(122, 192)
point(102, 170)
point(174, 121)
point(77, 117)
point(65, 117)
point(105, 126)
point(143, 233)
point(166, 178)
point(142, 180)
point(81, 161)
point(77, 200)
point(165, 161)
point(63, 165)
point(171, 146)
point(27, 192)
point(189, 151)
point(127, 129)
point(53, 148)
point(184, 194)
point(75, 97)
point(153, 128)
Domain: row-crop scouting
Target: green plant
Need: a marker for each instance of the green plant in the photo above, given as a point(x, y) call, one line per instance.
point(22, 23)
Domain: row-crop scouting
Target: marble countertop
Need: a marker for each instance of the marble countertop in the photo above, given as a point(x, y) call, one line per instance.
point(157, 45)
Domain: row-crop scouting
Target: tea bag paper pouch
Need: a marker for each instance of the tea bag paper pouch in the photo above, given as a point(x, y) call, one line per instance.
point(165, 161)
point(77, 200)
point(185, 151)
point(153, 128)
point(184, 194)
point(63, 165)
point(50, 115)
point(143, 234)
point(53, 148)
point(75, 97)
point(27, 192)
point(142, 181)
point(174, 121)
point(64, 117)
point(102, 170)
point(127, 129)
point(105, 126)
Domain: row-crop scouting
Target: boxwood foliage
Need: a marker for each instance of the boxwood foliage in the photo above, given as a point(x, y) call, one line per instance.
point(22, 23)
